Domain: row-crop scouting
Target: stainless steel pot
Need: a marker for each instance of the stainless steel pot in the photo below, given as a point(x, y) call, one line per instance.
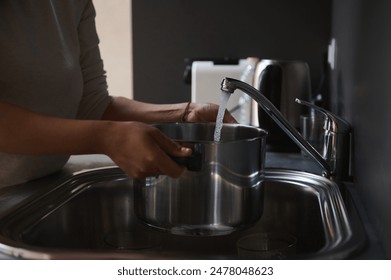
point(224, 194)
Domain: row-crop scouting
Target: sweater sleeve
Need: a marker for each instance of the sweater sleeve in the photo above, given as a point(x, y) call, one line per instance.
point(95, 97)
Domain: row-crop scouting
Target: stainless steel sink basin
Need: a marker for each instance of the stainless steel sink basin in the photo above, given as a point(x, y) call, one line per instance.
point(90, 216)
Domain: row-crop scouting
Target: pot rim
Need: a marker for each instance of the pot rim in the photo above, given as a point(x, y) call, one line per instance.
point(263, 133)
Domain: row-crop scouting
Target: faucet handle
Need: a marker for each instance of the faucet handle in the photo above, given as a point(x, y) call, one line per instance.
point(336, 143)
point(333, 123)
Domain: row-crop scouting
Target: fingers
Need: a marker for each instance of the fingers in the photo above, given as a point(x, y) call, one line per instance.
point(168, 148)
point(228, 118)
point(154, 163)
point(141, 150)
point(158, 158)
point(208, 112)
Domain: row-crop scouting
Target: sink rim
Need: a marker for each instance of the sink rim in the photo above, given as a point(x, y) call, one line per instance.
point(344, 234)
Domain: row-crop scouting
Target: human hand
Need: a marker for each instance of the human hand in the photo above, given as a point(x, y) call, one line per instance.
point(141, 150)
point(206, 112)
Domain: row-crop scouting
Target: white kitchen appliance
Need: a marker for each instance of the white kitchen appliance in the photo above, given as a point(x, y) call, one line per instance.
point(205, 86)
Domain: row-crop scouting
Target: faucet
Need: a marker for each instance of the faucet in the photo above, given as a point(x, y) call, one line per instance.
point(335, 157)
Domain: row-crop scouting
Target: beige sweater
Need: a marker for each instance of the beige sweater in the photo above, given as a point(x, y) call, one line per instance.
point(49, 63)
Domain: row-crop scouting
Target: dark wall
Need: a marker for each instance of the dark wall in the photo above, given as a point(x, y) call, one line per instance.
point(166, 32)
point(362, 93)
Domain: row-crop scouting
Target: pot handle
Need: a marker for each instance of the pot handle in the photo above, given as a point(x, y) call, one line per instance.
point(193, 162)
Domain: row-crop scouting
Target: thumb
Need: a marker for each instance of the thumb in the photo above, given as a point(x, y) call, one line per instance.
point(185, 152)
point(228, 118)
point(180, 151)
point(172, 148)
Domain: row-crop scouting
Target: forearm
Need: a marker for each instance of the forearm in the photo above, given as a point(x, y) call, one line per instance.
point(123, 109)
point(26, 132)
point(138, 149)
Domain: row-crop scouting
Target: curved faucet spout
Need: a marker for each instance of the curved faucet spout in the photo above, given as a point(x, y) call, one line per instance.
point(229, 85)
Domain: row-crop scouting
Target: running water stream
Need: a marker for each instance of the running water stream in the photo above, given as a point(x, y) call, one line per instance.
point(220, 115)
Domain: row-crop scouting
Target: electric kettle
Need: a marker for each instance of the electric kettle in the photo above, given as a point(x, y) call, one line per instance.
point(282, 81)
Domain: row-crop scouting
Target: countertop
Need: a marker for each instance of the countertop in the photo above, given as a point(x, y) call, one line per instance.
point(372, 250)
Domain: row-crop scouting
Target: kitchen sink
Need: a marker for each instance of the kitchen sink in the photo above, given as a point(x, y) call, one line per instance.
point(90, 215)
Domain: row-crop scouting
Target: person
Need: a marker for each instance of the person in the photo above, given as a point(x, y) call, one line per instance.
point(54, 99)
